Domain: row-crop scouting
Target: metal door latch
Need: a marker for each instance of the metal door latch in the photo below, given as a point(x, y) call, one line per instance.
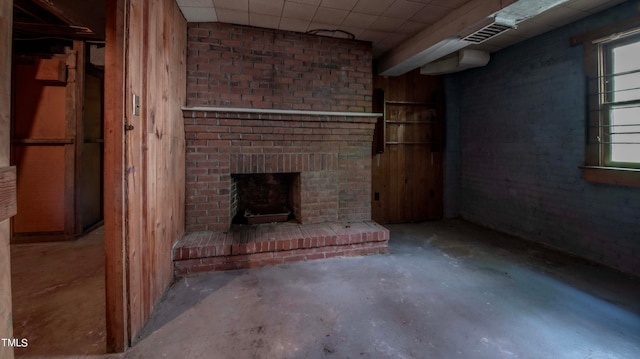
point(128, 127)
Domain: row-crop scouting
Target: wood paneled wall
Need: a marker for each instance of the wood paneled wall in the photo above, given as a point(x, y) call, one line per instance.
point(6, 20)
point(407, 175)
point(155, 152)
point(144, 207)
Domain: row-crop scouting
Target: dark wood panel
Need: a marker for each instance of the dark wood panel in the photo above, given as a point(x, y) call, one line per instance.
point(40, 108)
point(407, 176)
point(40, 192)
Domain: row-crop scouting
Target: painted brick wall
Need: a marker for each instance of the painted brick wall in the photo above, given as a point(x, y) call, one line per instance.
point(522, 132)
point(239, 66)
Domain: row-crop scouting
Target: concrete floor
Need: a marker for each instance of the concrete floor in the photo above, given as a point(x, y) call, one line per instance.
point(446, 290)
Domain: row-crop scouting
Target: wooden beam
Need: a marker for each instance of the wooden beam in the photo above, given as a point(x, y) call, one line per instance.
point(8, 206)
point(90, 14)
point(115, 264)
point(408, 55)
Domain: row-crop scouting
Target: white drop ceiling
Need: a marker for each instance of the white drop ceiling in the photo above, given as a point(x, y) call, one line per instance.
point(390, 25)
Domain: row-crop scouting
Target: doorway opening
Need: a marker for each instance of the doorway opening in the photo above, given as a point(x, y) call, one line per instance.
point(57, 146)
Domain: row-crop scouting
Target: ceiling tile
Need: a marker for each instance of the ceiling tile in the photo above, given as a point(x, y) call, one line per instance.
point(266, 7)
point(295, 10)
point(308, 2)
point(233, 16)
point(339, 4)
point(374, 36)
point(261, 20)
point(195, 3)
point(326, 15)
point(199, 14)
point(430, 14)
point(411, 27)
point(290, 24)
point(242, 5)
point(321, 26)
point(388, 24)
point(448, 3)
point(357, 19)
point(403, 9)
point(355, 31)
point(374, 7)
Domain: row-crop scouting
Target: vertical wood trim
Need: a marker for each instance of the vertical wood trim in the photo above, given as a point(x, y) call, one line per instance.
point(135, 159)
point(6, 22)
point(70, 149)
point(79, 48)
point(114, 211)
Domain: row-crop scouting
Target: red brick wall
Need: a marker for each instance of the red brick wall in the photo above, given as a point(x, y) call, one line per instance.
point(246, 67)
point(239, 66)
point(332, 154)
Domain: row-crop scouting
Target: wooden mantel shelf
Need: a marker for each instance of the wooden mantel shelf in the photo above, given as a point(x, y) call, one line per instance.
point(280, 112)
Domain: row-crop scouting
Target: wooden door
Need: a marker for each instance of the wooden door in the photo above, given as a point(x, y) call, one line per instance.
point(407, 170)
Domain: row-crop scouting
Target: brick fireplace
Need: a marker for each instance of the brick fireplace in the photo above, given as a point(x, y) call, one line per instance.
point(267, 102)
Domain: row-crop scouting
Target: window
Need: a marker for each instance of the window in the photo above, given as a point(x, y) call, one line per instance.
point(612, 70)
point(619, 101)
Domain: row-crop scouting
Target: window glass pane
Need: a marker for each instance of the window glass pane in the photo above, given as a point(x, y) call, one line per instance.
point(625, 134)
point(625, 59)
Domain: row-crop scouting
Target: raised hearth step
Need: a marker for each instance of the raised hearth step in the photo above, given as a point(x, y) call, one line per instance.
point(250, 246)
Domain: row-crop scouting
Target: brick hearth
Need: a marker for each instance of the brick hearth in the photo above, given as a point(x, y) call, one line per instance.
point(265, 244)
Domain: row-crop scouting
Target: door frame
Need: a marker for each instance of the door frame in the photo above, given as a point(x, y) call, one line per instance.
point(118, 338)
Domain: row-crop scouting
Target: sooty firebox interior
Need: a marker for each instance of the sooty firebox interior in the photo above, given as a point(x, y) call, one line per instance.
point(264, 197)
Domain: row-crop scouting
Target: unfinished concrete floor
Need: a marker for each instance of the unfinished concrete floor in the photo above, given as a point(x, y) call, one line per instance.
point(59, 296)
point(446, 290)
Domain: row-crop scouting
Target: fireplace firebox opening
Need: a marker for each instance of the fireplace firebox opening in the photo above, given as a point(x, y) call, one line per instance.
point(265, 197)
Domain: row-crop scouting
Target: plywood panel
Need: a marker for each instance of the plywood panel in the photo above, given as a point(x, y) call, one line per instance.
point(40, 189)
point(407, 176)
point(40, 109)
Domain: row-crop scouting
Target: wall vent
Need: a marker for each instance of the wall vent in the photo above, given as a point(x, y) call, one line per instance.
point(489, 31)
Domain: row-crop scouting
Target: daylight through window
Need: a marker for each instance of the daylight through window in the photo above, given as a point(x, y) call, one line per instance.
point(619, 127)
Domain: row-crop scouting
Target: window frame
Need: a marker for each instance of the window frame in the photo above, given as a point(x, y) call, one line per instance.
point(595, 169)
point(606, 100)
